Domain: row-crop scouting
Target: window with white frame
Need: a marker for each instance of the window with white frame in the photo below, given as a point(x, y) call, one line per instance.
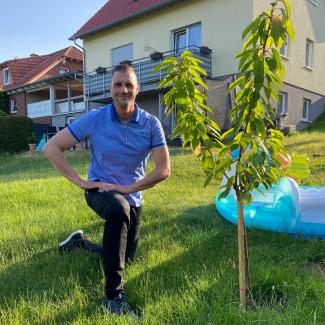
point(122, 53)
point(6, 76)
point(69, 120)
point(306, 110)
point(284, 50)
point(187, 37)
point(13, 106)
point(309, 53)
point(63, 71)
point(282, 103)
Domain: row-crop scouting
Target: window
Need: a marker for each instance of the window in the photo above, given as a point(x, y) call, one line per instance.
point(6, 76)
point(309, 53)
point(284, 50)
point(187, 36)
point(282, 103)
point(122, 53)
point(306, 110)
point(63, 70)
point(13, 106)
point(69, 120)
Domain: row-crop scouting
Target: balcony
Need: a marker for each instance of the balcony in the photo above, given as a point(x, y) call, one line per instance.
point(69, 105)
point(39, 109)
point(97, 83)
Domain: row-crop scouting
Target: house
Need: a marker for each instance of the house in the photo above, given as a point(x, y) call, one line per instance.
point(47, 88)
point(146, 31)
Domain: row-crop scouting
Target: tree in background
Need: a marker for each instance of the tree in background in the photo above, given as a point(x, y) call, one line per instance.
point(252, 135)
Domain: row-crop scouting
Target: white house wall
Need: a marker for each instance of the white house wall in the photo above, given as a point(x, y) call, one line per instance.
point(222, 22)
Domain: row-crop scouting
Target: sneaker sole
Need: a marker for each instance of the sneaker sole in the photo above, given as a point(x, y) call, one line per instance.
point(77, 232)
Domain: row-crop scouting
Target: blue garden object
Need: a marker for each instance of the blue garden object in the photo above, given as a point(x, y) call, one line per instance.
point(41, 144)
point(286, 207)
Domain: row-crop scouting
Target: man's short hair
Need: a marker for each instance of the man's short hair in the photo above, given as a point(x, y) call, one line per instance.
point(124, 67)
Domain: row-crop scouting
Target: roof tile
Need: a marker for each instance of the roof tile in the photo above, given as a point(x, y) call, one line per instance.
point(34, 68)
point(116, 10)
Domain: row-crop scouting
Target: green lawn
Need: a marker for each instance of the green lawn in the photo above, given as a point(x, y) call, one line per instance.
point(186, 267)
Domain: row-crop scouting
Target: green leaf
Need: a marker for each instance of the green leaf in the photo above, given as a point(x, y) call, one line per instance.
point(271, 62)
point(289, 30)
point(298, 168)
point(287, 6)
point(190, 87)
point(198, 69)
point(251, 27)
point(259, 75)
point(208, 179)
point(237, 82)
point(227, 134)
point(251, 40)
point(277, 30)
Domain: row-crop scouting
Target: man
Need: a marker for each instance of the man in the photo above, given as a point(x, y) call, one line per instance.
point(121, 137)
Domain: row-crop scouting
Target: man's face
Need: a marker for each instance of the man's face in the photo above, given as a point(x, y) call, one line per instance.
point(124, 88)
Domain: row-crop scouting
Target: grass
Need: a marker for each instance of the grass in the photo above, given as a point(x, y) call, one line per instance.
point(319, 124)
point(186, 266)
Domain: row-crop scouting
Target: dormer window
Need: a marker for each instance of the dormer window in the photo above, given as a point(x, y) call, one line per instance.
point(63, 71)
point(6, 77)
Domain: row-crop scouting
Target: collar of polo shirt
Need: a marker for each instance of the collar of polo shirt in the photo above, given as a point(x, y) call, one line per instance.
point(135, 116)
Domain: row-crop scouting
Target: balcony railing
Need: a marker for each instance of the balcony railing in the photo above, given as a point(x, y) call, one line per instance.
point(97, 83)
point(39, 109)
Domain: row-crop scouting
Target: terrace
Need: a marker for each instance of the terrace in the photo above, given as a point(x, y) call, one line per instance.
point(96, 82)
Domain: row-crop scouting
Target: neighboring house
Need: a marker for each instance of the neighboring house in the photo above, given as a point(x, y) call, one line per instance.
point(134, 29)
point(47, 88)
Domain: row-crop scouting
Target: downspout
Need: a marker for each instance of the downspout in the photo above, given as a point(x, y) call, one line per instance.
point(84, 72)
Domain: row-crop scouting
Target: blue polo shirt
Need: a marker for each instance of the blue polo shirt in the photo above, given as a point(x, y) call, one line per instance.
point(119, 151)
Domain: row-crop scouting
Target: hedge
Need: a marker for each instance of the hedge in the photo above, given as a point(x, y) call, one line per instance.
point(14, 133)
point(4, 101)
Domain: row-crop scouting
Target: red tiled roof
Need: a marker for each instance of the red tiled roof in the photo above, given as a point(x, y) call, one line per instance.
point(116, 11)
point(48, 63)
point(34, 68)
point(19, 67)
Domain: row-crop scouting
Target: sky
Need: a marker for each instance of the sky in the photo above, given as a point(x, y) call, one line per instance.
point(41, 26)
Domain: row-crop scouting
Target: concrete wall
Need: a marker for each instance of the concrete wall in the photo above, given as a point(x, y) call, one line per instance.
point(60, 121)
point(222, 22)
point(295, 97)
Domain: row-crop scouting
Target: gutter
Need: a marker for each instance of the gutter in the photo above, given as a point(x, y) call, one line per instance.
point(47, 81)
point(124, 19)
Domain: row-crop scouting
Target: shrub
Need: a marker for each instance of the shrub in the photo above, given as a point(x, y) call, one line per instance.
point(4, 101)
point(3, 113)
point(14, 133)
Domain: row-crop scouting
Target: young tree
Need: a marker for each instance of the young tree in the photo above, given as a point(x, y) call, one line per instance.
point(252, 135)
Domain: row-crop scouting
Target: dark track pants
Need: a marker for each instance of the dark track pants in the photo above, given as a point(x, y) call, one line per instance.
point(121, 233)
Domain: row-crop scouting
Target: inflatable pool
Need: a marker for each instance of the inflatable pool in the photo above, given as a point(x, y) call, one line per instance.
point(286, 207)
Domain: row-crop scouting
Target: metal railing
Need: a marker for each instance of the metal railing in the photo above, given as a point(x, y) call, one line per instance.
point(96, 84)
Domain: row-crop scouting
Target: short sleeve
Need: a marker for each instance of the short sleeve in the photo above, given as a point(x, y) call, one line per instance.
point(158, 136)
point(82, 128)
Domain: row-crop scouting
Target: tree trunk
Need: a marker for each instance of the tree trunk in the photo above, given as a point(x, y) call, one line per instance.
point(242, 254)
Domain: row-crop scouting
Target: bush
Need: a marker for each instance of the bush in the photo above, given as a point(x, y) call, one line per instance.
point(14, 133)
point(4, 101)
